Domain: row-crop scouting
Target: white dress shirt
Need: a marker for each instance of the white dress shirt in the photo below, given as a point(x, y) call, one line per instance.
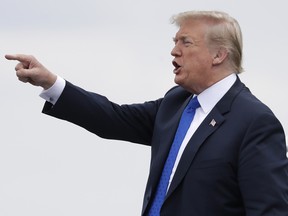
point(207, 99)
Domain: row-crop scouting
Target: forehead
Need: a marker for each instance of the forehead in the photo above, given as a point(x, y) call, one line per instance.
point(192, 28)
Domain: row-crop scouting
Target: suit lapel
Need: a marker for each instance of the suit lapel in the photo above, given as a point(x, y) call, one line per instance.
point(166, 140)
point(168, 131)
point(210, 124)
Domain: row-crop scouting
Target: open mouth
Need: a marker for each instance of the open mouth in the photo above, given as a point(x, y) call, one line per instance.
point(176, 67)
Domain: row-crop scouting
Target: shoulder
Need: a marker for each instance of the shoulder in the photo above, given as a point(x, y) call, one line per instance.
point(250, 110)
point(177, 92)
point(173, 100)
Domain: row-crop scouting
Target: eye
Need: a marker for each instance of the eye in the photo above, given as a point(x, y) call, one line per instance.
point(175, 40)
point(187, 42)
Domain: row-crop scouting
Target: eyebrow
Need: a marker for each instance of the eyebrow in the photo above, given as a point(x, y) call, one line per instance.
point(175, 39)
point(185, 37)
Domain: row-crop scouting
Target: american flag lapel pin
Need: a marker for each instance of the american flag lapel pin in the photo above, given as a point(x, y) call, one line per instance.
point(213, 123)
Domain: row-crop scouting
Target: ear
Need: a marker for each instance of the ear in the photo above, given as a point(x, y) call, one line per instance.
point(219, 56)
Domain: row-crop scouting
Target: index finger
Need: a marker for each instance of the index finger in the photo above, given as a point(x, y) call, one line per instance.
point(19, 57)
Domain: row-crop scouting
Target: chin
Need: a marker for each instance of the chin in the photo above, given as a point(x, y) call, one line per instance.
point(182, 84)
point(179, 81)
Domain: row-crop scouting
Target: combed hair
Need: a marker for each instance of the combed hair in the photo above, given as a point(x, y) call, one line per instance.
point(224, 32)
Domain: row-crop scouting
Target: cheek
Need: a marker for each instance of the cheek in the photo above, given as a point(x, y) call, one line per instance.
point(197, 70)
point(193, 67)
point(200, 65)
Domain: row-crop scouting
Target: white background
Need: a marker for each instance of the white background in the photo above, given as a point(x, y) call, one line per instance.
point(120, 49)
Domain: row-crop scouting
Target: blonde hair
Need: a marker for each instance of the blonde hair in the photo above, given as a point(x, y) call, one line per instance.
point(224, 32)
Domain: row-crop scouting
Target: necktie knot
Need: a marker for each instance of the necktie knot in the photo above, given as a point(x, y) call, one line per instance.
point(193, 104)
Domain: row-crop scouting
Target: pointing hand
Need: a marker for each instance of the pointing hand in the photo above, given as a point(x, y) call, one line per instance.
point(30, 70)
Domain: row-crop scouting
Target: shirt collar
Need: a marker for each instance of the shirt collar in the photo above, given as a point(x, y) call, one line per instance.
point(210, 96)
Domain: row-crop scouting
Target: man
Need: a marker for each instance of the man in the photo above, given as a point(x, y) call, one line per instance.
point(231, 160)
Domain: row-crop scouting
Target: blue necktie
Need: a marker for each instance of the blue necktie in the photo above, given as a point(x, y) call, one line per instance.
point(184, 124)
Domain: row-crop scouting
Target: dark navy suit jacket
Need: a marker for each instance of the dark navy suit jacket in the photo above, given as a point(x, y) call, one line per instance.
point(235, 167)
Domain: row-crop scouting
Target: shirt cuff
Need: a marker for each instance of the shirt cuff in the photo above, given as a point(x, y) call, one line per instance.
point(54, 92)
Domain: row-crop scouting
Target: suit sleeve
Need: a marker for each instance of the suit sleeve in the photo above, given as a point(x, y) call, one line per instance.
point(104, 118)
point(263, 169)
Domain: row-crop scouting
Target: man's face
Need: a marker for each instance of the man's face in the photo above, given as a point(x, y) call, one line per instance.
point(192, 59)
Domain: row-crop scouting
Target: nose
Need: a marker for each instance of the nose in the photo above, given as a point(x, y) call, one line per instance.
point(175, 51)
